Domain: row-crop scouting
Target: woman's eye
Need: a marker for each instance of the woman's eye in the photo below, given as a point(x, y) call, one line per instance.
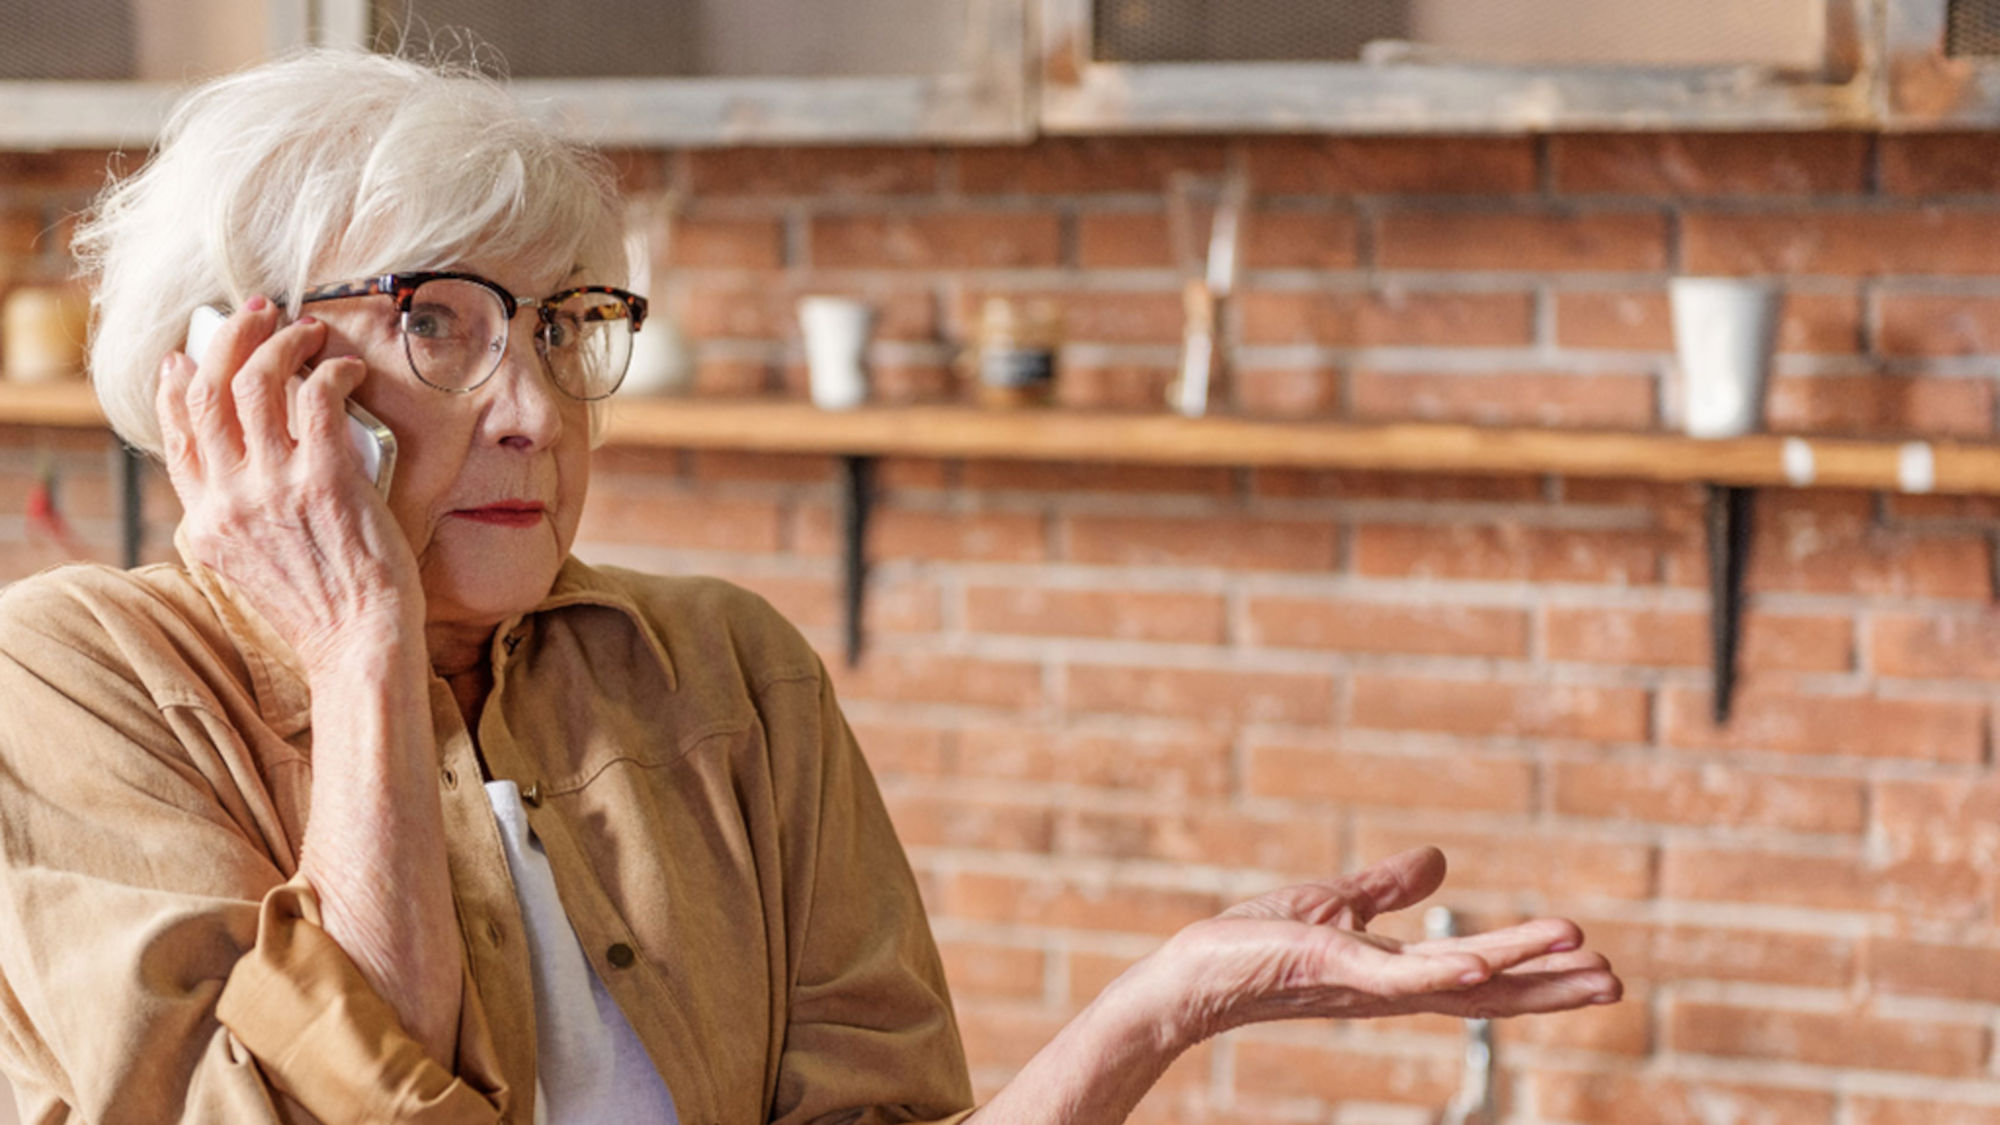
point(430, 323)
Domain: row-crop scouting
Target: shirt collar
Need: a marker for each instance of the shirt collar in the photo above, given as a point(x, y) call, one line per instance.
point(277, 677)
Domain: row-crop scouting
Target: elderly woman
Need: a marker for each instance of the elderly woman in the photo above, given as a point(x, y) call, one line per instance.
point(381, 806)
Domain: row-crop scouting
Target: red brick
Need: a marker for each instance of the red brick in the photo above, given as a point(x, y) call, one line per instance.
point(937, 240)
point(1874, 1110)
point(1357, 626)
point(1066, 166)
point(1302, 847)
point(1603, 1098)
point(1558, 868)
point(1847, 1040)
point(81, 170)
point(1931, 730)
point(1937, 324)
point(1393, 317)
point(835, 170)
point(1917, 508)
point(1940, 163)
point(1719, 795)
point(1450, 165)
point(1405, 780)
point(1123, 240)
point(1880, 404)
point(1923, 646)
point(1313, 240)
point(753, 308)
point(1710, 164)
point(1950, 891)
point(1485, 707)
point(1682, 952)
point(906, 383)
point(1081, 476)
point(717, 466)
point(1951, 821)
point(910, 533)
point(1134, 763)
point(934, 677)
point(1353, 484)
point(900, 749)
point(985, 971)
point(1640, 320)
point(1904, 967)
point(1481, 240)
point(1274, 1068)
point(1112, 386)
point(1052, 901)
point(986, 825)
point(715, 243)
point(1285, 392)
point(1507, 553)
point(1507, 398)
point(1201, 694)
point(1804, 543)
point(729, 377)
point(1664, 638)
point(1841, 242)
point(681, 520)
point(1226, 541)
point(1166, 616)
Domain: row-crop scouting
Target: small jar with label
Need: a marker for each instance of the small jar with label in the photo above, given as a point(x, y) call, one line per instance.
point(1017, 352)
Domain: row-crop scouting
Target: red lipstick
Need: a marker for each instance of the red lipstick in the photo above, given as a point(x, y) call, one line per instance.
point(506, 513)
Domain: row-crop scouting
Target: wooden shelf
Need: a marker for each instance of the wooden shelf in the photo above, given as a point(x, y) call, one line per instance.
point(1164, 439)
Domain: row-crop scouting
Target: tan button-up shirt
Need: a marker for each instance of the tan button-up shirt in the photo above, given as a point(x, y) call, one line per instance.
point(719, 845)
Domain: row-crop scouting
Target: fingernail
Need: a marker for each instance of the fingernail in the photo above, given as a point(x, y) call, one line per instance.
point(257, 303)
point(308, 320)
point(1603, 998)
point(1473, 977)
point(1562, 947)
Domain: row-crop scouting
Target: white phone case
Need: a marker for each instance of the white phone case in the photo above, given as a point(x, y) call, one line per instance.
point(375, 442)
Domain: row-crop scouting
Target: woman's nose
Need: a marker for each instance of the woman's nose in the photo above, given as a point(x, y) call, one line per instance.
point(524, 408)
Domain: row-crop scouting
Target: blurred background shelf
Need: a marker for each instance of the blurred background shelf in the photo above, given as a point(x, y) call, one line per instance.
point(948, 431)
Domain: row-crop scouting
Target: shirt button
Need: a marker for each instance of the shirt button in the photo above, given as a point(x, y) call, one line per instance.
point(532, 795)
point(620, 956)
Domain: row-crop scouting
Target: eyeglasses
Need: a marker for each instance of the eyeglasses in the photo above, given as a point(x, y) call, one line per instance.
point(454, 329)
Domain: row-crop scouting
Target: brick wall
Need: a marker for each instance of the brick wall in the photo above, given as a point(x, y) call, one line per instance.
point(1106, 701)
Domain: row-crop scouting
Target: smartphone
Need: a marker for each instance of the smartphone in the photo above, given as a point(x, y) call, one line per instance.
point(375, 442)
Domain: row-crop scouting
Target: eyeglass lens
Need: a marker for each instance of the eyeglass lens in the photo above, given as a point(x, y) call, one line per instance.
point(455, 334)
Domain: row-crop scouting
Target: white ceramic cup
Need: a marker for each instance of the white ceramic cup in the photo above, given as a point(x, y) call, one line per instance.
point(1725, 329)
point(836, 330)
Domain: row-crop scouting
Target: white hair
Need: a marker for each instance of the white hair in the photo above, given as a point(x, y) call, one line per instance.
point(329, 165)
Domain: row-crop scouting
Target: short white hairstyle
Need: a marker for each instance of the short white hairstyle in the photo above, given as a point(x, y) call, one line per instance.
point(329, 165)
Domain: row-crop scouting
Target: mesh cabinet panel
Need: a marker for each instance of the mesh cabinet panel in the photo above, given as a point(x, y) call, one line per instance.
point(1972, 29)
point(1790, 34)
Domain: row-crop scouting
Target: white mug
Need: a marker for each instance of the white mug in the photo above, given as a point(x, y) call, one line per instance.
point(1725, 330)
point(836, 330)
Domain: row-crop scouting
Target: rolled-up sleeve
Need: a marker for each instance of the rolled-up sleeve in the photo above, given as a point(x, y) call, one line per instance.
point(156, 963)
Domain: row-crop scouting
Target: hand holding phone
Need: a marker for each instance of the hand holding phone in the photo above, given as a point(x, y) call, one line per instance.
point(372, 440)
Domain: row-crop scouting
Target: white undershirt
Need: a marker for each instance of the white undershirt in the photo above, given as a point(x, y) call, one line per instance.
point(591, 1068)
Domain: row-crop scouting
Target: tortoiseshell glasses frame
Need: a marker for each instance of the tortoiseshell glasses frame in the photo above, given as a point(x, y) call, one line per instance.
point(454, 328)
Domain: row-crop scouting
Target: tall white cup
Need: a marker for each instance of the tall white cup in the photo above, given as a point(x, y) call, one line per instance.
point(1725, 329)
point(836, 330)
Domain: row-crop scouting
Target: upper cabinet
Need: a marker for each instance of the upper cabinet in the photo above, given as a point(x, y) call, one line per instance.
point(103, 73)
point(1455, 65)
point(711, 72)
point(707, 72)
